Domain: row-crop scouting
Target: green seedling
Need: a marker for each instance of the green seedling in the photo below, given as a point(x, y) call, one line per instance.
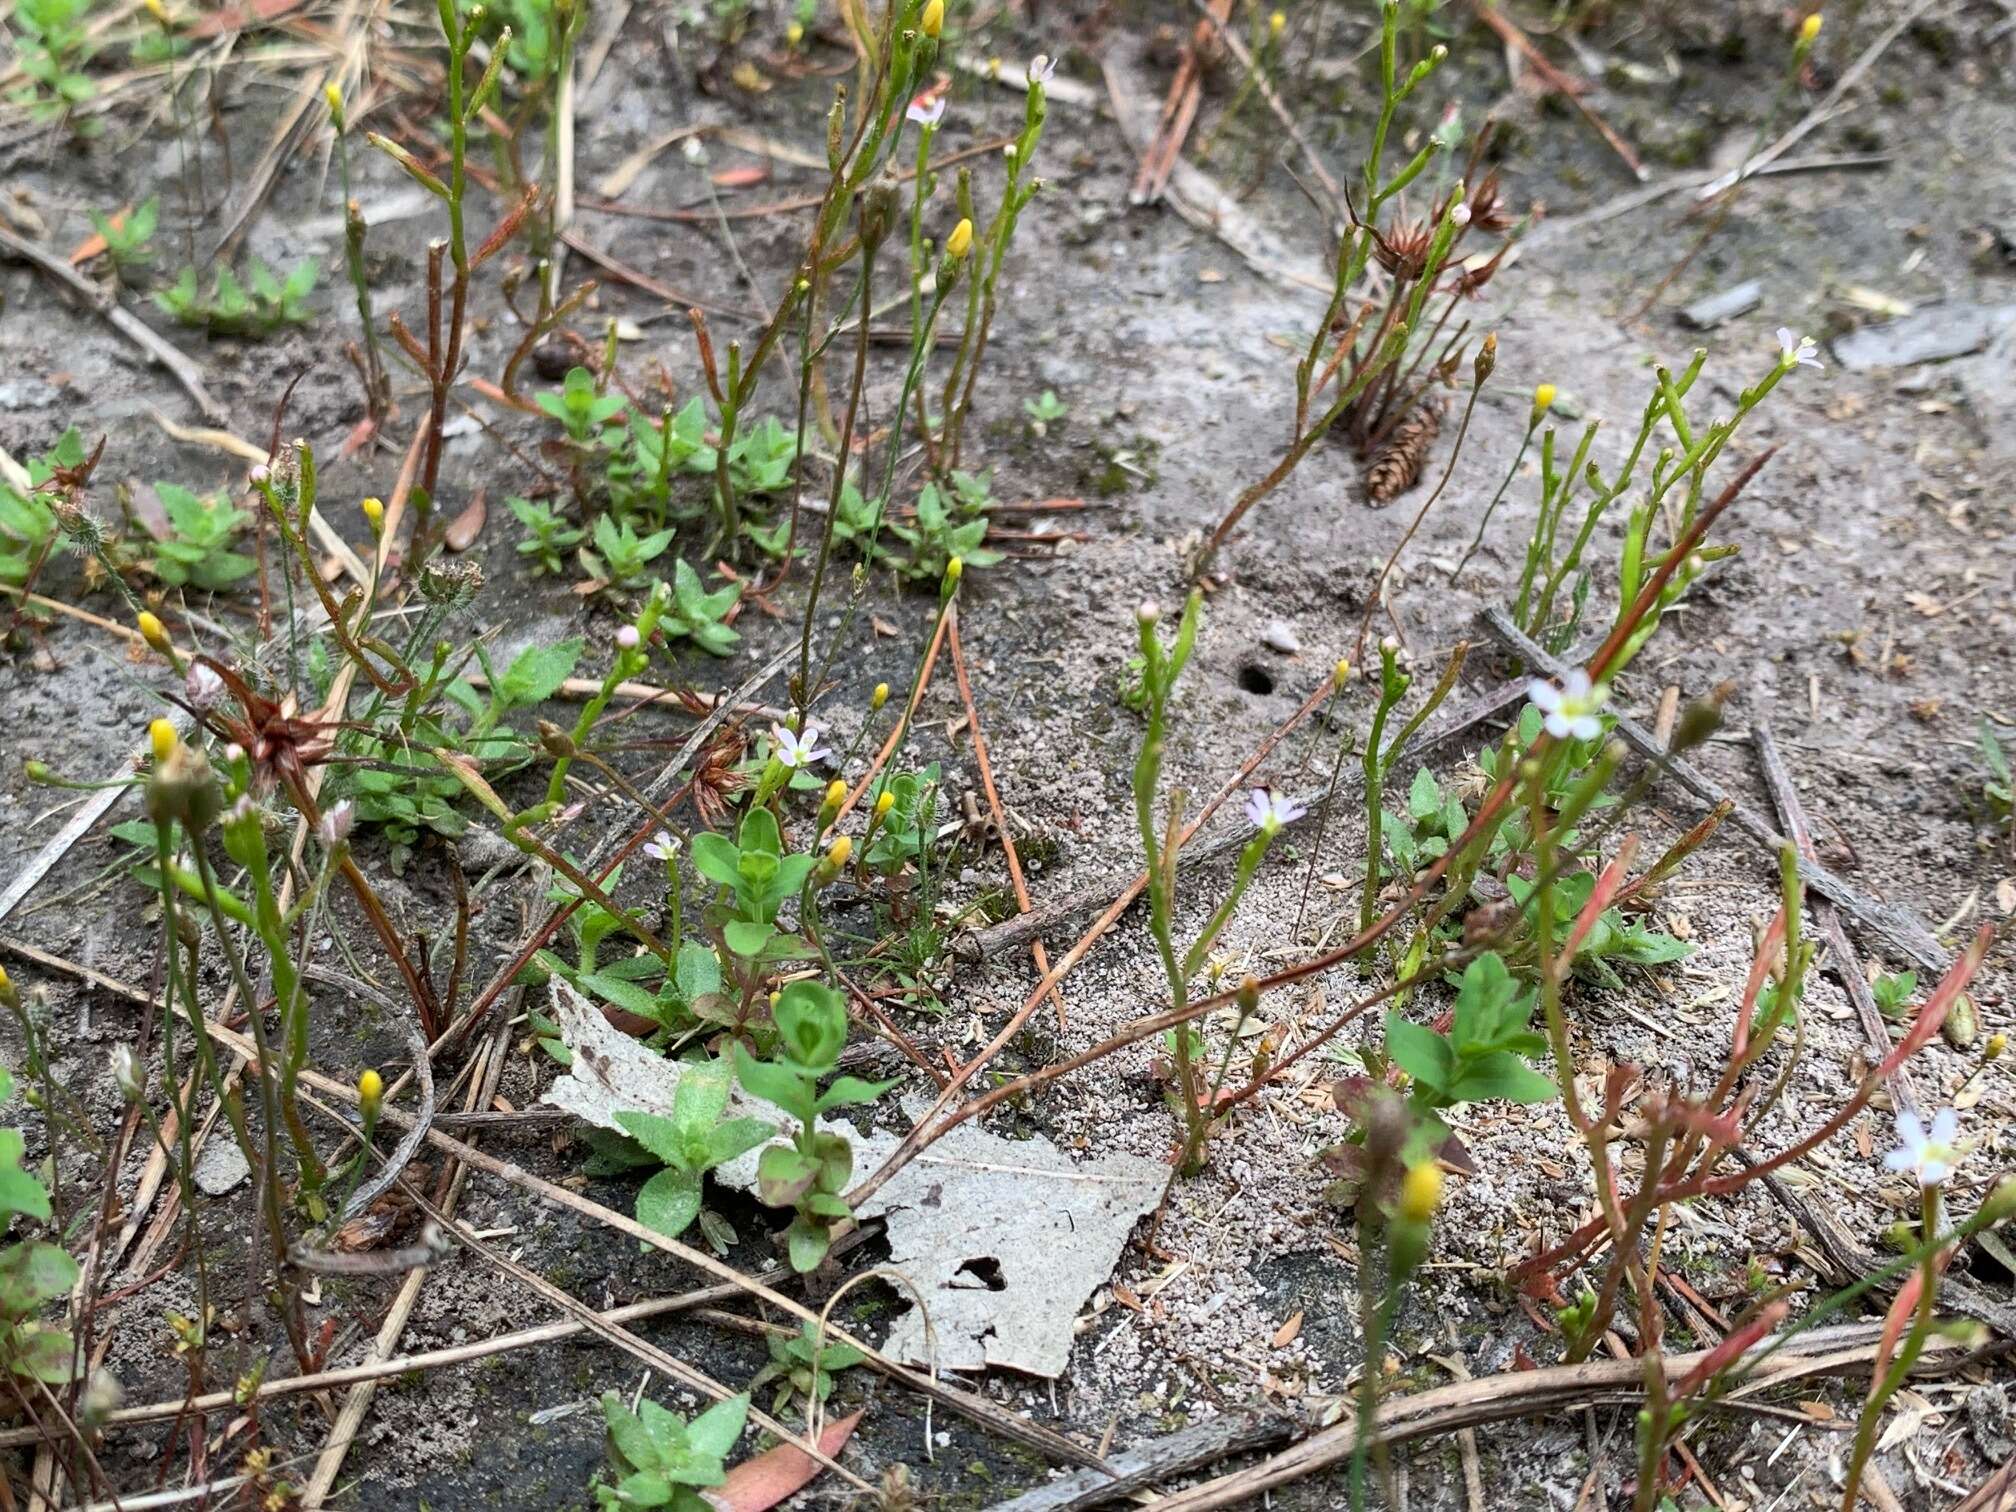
point(697, 614)
point(691, 1142)
point(548, 536)
point(803, 1365)
point(941, 532)
point(198, 553)
point(28, 527)
point(259, 307)
point(129, 238)
point(54, 48)
point(584, 412)
point(811, 1172)
point(663, 1460)
point(1044, 411)
point(621, 557)
point(1999, 789)
point(1893, 991)
point(33, 1273)
point(1483, 1056)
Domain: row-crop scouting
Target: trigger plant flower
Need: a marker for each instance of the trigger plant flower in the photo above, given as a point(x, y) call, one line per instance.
point(1570, 710)
point(1796, 351)
point(1042, 68)
point(663, 846)
point(1267, 811)
point(1930, 1157)
point(927, 109)
point(336, 825)
point(795, 750)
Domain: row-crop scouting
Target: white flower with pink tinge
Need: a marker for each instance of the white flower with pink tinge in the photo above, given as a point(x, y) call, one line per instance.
point(1570, 710)
point(926, 110)
point(1796, 351)
point(1267, 810)
point(1930, 1157)
point(795, 750)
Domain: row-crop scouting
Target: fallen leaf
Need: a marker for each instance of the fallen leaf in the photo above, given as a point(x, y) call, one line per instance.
point(1005, 1240)
point(1285, 1334)
point(758, 1484)
point(465, 527)
point(741, 178)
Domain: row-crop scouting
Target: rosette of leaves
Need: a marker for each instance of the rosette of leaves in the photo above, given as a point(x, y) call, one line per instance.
point(662, 1459)
point(1613, 937)
point(803, 1365)
point(811, 1172)
point(940, 532)
point(903, 831)
point(691, 1142)
point(1483, 1056)
point(697, 614)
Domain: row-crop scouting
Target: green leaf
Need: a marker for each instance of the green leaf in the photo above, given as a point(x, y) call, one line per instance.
point(759, 833)
point(807, 1244)
point(717, 859)
point(736, 1137)
point(746, 937)
point(715, 1431)
point(1501, 1075)
point(1420, 1052)
point(658, 1134)
point(537, 672)
point(1424, 798)
point(779, 1085)
point(669, 1201)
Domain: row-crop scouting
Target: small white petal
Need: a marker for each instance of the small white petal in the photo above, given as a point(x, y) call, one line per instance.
point(1545, 695)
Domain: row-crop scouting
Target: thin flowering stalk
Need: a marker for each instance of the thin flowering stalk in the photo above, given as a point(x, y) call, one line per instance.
point(1543, 401)
point(1393, 686)
point(631, 659)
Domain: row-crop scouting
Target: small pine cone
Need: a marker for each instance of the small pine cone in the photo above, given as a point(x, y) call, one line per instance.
point(1397, 465)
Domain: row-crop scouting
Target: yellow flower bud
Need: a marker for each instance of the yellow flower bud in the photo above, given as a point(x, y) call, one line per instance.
point(153, 632)
point(836, 793)
point(883, 804)
point(335, 98)
point(1420, 1192)
point(794, 34)
point(374, 514)
point(934, 18)
point(1809, 28)
point(161, 735)
point(1342, 673)
point(1997, 1043)
point(159, 12)
point(1543, 398)
point(879, 697)
point(954, 570)
point(960, 242)
point(7, 993)
point(370, 1092)
point(1277, 23)
point(838, 852)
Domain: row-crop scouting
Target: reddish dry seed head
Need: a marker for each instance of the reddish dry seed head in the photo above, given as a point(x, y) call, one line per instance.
point(1404, 251)
point(280, 744)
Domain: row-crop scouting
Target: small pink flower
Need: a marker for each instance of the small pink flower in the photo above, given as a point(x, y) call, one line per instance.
point(926, 109)
point(794, 750)
point(1267, 810)
point(627, 638)
point(336, 825)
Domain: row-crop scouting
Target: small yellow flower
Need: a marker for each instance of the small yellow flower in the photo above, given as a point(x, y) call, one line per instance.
point(7, 993)
point(836, 793)
point(153, 632)
point(883, 804)
point(1420, 1192)
point(335, 98)
point(374, 514)
point(934, 18)
point(370, 1092)
point(838, 852)
point(1809, 28)
point(1342, 672)
point(794, 34)
point(1543, 399)
point(1997, 1043)
point(960, 242)
point(878, 698)
point(161, 735)
point(1277, 23)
